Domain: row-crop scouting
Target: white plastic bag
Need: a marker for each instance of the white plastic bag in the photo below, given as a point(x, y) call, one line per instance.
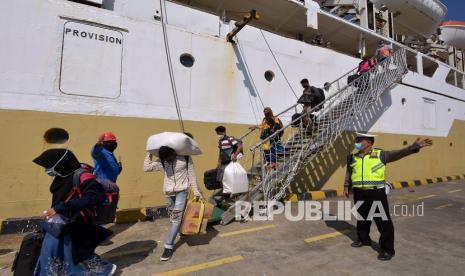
point(181, 143)
point(235, 179)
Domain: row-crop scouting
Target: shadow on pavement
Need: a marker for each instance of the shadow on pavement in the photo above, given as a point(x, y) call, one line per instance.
point(343, 226)
point(119, 228)
point(198, 239)
point(129, 253)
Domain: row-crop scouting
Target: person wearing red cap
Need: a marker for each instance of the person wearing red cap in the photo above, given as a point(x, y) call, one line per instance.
point(105, 163)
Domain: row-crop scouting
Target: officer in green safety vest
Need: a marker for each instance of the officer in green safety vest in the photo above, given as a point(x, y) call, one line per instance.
point(365, 174)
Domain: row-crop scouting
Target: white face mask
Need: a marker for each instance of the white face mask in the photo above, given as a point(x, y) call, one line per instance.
point(220, 136)
point(51, 171)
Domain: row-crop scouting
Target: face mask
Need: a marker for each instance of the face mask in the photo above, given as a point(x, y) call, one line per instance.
point(220, 136)
point(358, 146)
point(110, 146)
point(51, 171)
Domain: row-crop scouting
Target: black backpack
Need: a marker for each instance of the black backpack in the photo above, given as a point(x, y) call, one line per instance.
point(320, 95)
point(28, 254)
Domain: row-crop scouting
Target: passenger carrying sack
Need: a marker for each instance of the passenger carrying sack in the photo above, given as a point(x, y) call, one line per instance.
point(28, 254)
point(179, 142)
point(196, 216)
point(235, 179)
point(209, 179)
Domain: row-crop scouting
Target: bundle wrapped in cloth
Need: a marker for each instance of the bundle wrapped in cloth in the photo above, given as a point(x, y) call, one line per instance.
point(181, 143)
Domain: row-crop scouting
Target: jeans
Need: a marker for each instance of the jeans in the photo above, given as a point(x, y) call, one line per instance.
point(275, 148)
point(175, 203)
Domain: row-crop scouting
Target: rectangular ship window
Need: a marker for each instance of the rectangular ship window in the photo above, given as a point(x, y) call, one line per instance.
point(91, 62)
point(429, 113)
point(412, 61)
point(429, 67)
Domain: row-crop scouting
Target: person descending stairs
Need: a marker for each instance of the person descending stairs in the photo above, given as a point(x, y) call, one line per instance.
point(301, 146)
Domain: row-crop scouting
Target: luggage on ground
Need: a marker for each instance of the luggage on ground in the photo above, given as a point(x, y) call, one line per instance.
point(181, 143)
point(28, 254)
point(235, 179)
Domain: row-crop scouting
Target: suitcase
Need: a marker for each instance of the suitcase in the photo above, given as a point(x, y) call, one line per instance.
point(28, 254)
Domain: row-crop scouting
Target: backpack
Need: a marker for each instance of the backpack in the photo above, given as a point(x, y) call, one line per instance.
point(319, 95)
point(28, 254)
point(105, 211)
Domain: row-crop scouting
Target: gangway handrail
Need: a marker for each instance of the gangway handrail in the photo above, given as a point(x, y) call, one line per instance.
point(319, 132)
point(297, 104)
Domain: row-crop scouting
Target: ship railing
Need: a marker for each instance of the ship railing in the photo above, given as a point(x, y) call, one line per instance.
point(316, 130)
point(310, 134)
point(252, 136)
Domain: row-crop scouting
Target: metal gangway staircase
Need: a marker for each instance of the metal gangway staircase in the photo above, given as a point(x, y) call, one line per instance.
point(312, 133)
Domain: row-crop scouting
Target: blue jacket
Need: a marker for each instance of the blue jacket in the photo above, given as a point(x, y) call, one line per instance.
point(105, 164)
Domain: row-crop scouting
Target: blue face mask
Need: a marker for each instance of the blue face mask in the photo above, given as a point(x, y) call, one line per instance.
point(358, 146)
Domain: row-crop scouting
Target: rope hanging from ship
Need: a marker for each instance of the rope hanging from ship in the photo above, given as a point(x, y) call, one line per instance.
point(277, 63)
point(170, 65)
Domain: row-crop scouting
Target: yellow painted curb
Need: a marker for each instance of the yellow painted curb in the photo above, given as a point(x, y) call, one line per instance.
point(411, 183)
point(318, 195)
point(130, 215)
point(397, 185)
point(293, 198)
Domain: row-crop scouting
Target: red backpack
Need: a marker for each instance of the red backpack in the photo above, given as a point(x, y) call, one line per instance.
point(105, 211)
point(80, 176)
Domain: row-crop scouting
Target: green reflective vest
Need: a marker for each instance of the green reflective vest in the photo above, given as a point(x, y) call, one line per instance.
point(368, 172)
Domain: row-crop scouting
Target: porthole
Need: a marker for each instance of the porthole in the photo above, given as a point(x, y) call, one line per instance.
point(269, 76)
point(187, 60)
point(56, 136)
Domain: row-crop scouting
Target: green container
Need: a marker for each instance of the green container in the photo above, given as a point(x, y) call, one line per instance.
point(216, 215)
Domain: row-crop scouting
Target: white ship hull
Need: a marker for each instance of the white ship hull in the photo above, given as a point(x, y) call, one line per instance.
point(67, 58)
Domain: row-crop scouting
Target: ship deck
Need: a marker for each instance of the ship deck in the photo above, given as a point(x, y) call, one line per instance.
point(432, 244)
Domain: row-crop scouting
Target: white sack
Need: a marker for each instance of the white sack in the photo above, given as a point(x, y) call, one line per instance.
point(235, 179)
point(181, 143)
